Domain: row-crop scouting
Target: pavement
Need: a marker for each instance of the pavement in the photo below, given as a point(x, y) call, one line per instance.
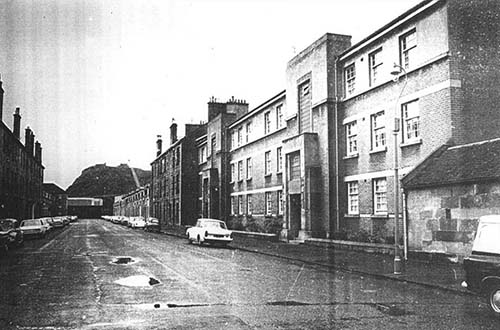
point(440, 274)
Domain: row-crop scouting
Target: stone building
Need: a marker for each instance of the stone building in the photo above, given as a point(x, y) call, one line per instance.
point(213, 158)
point(21, 170)
point(256, 167)
point(447, 93)
point(174, 185)
point(448, 192)
point(133, 204)
point(54, 200)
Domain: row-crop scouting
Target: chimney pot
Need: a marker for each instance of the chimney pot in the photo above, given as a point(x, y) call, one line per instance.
point(17, 124)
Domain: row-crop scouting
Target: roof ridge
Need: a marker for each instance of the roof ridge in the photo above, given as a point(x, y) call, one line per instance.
point(473, 144)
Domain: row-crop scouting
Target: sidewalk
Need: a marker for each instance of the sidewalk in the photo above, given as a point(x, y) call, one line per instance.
point(442, 275)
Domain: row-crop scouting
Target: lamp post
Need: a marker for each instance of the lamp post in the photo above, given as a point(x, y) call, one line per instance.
point(397, 71)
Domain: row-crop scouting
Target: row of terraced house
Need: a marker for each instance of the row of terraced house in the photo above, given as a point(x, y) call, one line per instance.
point(317, 160)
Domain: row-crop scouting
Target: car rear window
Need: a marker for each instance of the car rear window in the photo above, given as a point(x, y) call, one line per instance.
point(487, 238)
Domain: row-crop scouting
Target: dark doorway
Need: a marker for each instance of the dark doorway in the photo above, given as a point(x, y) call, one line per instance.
point(295, 207)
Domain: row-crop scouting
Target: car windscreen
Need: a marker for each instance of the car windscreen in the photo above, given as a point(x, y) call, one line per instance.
point(31, 222)
point(214, 224)
point(487, 238)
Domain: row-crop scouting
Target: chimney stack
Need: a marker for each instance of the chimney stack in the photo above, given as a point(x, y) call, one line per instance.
point(1, 100)
point(173, 132)
point(158, 145)
point(28, 145)
point(38, 152)
point(17, 124)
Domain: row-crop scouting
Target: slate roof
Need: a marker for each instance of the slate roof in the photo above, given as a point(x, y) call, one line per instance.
point(53, 189)
point(467, 163)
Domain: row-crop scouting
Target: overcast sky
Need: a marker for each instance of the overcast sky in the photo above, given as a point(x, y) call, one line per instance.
point(98, 80)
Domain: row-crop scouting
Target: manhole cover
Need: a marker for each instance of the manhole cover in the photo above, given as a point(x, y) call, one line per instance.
point(123, 260)
point(138, 280)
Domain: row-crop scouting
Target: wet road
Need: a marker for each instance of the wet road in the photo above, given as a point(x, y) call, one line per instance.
point(97, 275)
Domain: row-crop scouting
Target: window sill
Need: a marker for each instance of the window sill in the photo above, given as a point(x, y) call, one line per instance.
point(351, 216)
point(351, 156)
point(411, 143)
point(380, 215)
point(267, 175)
point(376, 151)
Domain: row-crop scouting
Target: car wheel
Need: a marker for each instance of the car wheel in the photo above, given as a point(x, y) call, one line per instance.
point(200, 243)
point(189, 239)
point(494, 299)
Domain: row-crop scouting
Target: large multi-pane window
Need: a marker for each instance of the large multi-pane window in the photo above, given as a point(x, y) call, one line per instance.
point(407, 46)
point(249, 204)
point(267, 163)
point(279, 116)
point(380, 195)
point(280, 202)
point(267, 122)
point(248, 131)
point(240, 204)
point(351, 132)
point(233, 204)
point(350, 79)
point(353, 198)
point(249, 168)
point(279, 160)
point(240, 170)
point(375, 61)
point(269, 203)
point(411, 121)
point(233, 140)
point(378, 130)
point(202, 156)
point(294, 166)
point(240, 136)
point(233, 172)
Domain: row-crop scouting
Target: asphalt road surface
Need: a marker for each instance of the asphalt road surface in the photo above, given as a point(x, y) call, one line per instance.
point(97, 275)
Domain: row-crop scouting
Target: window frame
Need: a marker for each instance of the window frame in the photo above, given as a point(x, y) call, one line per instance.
point(240, 170)
point(378, 132)
point(350, 79)
point(268, 203)
point(280, 202)
point(374, 65)
point(249, 170)
point(406, 50)
point(353, 198)
point(380, 195)
point(267, 163)
point(279, 116)
point(267, 122)
point(351, 135)
point(406, 120)
point(279, 160)
point(249, 204)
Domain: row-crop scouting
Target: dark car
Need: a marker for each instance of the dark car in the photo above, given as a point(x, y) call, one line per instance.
point(482, 268)
point(152, 224)
point(10, 234)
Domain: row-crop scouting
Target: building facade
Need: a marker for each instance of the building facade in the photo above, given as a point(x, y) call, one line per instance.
point(54, 200)
point(85, 207)
point(256, 168)
point(21, 170)
point(174, 185)
point(134, 204)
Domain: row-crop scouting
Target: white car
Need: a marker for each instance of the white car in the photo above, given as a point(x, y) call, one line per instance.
point(35, 227)
point(137, 222)
point(209, 231)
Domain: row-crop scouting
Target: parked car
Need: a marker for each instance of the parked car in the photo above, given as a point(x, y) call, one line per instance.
point(34, 227)
point(482, 267)
point(152, 224)
point(10, 234)
point(209, 231)
point(57, 222)
point(137, 222)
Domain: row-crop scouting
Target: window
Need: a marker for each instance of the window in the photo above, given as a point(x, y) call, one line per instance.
point(240, 136)
point(352, 198)
point(240, 170)
point(269, 203)
point(294, 166)
point(351, 132)
point(350, 79)
point(380, 195)
point(213, 145)
point(279, 116)
point(233, 205)
point(279, 160)
point(249, 204)
point(267, 163)
point(240, 204)
point(249, 168)
point(375, 60)
point(280, 202)
point(267, 122)
point(407, 45)
point(248, 132)
point(233, 139)
point(202, 154)
point(233, 172)
point(411, 121)
point(378, 131)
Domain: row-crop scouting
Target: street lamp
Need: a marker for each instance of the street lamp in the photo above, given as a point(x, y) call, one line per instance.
point(397, 71)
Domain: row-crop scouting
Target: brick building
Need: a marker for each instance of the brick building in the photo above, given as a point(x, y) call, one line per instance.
point(213, 158)
point(174, 185)
point(448, 93)
point(256, 167)
point(54, 200)
point(21, 170)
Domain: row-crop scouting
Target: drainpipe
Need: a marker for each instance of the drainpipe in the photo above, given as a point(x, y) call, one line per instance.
point(405, 226)
point(337, 197)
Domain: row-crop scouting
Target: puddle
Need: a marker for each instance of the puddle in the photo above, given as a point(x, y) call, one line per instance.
point(286, 303)
point(168, 305)
point(138, 280)
point(123, 260)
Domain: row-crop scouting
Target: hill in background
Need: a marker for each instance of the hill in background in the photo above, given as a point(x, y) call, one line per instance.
point(101, 180)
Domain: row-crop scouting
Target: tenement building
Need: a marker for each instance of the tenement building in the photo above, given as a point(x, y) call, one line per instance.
point(133, 204)
point(21, 170)
point(54, 200)
point(174, 185)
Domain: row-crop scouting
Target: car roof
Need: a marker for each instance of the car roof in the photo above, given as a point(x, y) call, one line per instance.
point(492, 218)
point(208, 219)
